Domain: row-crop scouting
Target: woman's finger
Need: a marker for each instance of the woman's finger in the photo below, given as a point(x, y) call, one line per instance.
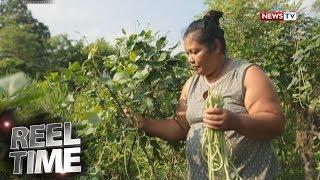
point(212, 123)
point(214, 117)
point(214, 110)
point(212, 127)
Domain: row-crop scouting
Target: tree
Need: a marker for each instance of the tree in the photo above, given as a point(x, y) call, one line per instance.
point(19, 49)
point(61, 51)
point(18, 11)
point(104, 49)
point(22, 39)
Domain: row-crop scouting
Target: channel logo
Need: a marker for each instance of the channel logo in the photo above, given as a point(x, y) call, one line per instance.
point(278, 16)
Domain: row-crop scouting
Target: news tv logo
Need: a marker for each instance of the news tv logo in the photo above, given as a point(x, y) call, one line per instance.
point(278, 16)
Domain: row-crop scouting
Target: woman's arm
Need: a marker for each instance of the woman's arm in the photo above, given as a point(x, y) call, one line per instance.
point(169, 129)
point(264, 120)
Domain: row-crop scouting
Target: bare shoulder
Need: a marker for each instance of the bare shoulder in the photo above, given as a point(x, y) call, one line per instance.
point(256, 78)
point(260, 93)
point(254, 72)
point(185, 89)
point(182, 107)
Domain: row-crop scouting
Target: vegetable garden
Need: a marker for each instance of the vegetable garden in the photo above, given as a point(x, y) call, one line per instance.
point(145, 76)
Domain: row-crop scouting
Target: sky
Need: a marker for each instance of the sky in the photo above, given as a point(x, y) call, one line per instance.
point(106, 18)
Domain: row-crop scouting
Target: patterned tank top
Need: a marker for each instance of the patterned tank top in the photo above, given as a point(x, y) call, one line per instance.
point(253, 159)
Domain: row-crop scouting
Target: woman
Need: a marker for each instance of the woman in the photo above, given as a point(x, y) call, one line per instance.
point(251, 116)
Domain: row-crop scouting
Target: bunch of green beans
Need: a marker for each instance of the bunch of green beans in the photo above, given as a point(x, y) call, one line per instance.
point(214, 145)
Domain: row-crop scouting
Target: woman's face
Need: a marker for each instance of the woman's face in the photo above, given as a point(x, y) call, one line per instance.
point(202, 60)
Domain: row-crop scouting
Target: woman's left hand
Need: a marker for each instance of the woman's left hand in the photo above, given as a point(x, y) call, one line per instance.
point(219, 119)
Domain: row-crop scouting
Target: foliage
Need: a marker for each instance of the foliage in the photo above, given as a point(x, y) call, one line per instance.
point(61, 50)
point(17, 11)
point(142, 76)
point(22, 39)
point(19, 47)
point(26, 45)
point(94, 83)
point(14, 93)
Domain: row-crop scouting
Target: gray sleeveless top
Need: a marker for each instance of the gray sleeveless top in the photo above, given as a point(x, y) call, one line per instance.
point(253, 159)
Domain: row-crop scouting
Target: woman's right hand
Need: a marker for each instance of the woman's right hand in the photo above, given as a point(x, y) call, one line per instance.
point(138, 119)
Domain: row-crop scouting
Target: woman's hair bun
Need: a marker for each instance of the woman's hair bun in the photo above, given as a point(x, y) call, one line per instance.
point(213, 16)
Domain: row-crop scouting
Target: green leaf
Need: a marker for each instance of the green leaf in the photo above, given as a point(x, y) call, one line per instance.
point(309, 47)
point(67, 74)
point(148, 103)
point(105, 77)
point(161, 43)
point(132, 39)
point(110, 61)
point(81, 79)
point(110, 136)
point(280, 48)
point(52, 76)
point(148, 34)
point(163, 56)
point(92, 117)
point(89, 131)
point(142, 75)
point(131, 68)
point(138, 97)
point(275, 73)
point(133, 56)
point(298, 60)
point(142, 33)
point(75, 66)
point(298, 52)
point(120, 77)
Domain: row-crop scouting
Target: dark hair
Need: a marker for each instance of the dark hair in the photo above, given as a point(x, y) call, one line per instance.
point(207, 29)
